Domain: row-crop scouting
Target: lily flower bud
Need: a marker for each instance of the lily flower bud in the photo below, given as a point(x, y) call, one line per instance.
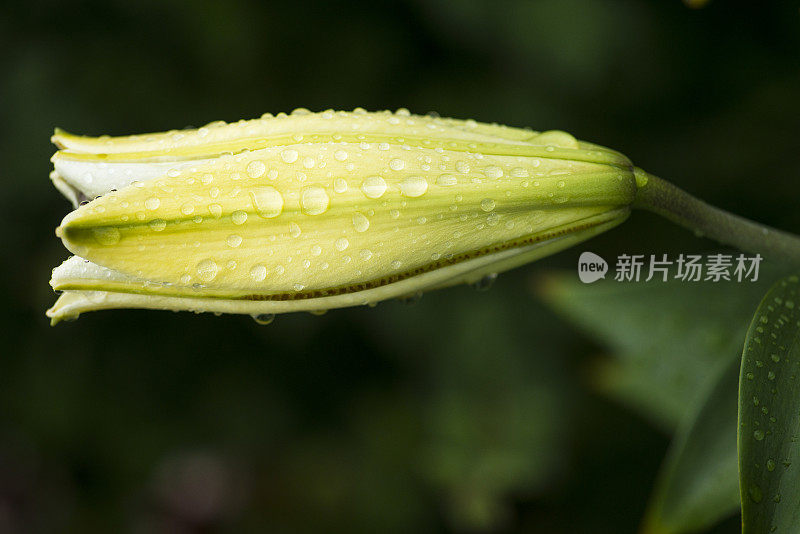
point(312, 211)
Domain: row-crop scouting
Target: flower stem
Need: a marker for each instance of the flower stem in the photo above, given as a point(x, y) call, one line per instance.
point(663, 198)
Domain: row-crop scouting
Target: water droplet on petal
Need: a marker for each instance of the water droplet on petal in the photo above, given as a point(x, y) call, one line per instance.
point(207, 270)
point(360, 222)
point(256, 169)
point(493, 172)
point(414, 186)
point(487, 204)
point(314, 200)
point(263, 318)
point(447, 180)
point(258, 273)
point(152, 203)
point(289, 155)
point(239, 217)
point(267, 201)
point(341, 244)
point(374, 187)
point(485, 283)
point(108, 235)
point(234, 240)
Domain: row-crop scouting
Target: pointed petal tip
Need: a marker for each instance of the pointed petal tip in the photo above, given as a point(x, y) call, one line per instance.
point(58, 136)
point(61, 310)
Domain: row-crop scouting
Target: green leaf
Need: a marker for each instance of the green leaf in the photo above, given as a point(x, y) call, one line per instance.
point(769, 414)
point(665, 339)
point(699, 480)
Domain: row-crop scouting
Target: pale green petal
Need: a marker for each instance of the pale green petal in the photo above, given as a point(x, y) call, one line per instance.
point(90, 287)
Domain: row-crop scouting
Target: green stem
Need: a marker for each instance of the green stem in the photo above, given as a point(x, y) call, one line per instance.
point(663, 198)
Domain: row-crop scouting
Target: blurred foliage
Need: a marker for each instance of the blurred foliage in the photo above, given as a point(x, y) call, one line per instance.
point(466, 412)
point(668, 339)
point(675, 348)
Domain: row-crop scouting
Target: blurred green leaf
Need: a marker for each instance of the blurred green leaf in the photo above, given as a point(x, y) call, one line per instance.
point(665, 338)
point(769, 414)
point(699, 480)
point(495, 406)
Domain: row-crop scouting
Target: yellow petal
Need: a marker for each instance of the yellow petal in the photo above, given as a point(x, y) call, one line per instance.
point(348, 207)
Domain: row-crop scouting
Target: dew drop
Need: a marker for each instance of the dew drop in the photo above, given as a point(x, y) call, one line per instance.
point(314, 200)
point(758, 434)
point(256, 169)
point(267, 201)
point(487, 204)
point(152, 203)
point(341, 244)
point(485, 283)
point(289, 155)
point(187, 208)
point(107, 235)
point(316, 250)
point(374, 187)
point(216, 210)
point(263, 318)
point(157, 224)
point(258, 272)
point(294, 229)
point(493, 172)
point(414, 186)
point(340, 185)
point(755, 493)
point(234, 240)
point(397, 164)
point(360, 222)
point(446, 180)
point(365, 254)
point(340, 155)
point(238, 217)
point(207, 270)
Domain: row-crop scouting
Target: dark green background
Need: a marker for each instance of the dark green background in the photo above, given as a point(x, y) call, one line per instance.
point(469, 411)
